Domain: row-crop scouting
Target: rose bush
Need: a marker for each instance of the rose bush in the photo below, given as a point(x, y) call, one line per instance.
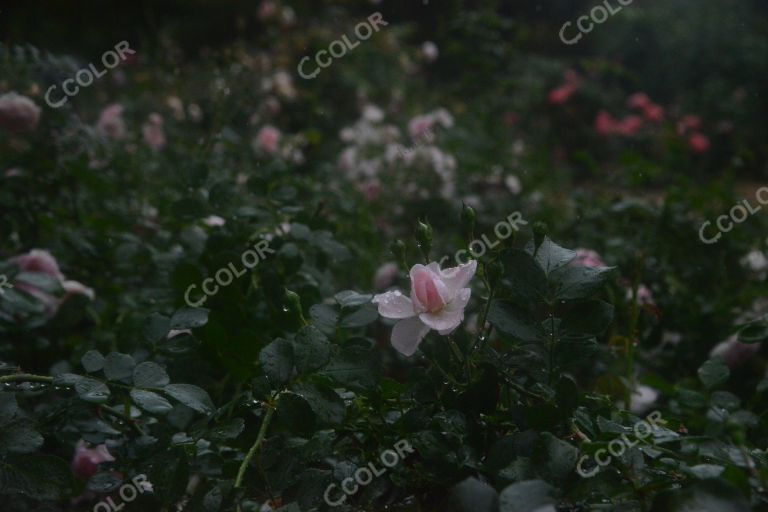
point(511, 375)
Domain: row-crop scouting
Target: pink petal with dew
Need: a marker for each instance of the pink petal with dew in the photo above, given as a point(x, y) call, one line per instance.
point(407, 334)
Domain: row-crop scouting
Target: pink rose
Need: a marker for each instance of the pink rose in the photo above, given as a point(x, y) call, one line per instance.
point(639, 101)
point(152, 130)
point(733, 352)
point(268, 139)
point(110, 124)
point(698, 142)
point(85, 461)
point(654, 113)
point(42, 262)
point(629, 125)
point(687, 123)
point(420, 126)
point(18, 114)
point(587, 258)
point(605, 124)
point(437, 301)
point(560, 95)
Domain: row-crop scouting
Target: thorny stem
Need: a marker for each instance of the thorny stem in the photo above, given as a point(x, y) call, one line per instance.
point(25, 377)
point(256, 445)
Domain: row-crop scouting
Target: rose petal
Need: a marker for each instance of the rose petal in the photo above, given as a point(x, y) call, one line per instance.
point(456, 278)
point(394, 305)
point(460, 301)
point(444, 320)
point(407, 334)
point(428, 292)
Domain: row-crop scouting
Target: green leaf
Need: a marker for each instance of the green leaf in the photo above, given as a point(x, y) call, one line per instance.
point(230, 429)
point(311, 350)
point(527, 496)
point(354, 367)
point(513, 320)
point(119, 367)
point(150, 401)
point(708, 495)
point(192, 396)
point(277, 360)
point(472, 495)
point(525, 279)
point(150, 375)
point(92, 361)
point(363, 316)
point(156, 327)
point(713, 373)
point(561, 456)
point(327, 405)
point(324, 315)
point(551, 256)
point(350, 298)
point(754, 333)
point(41, 477)
point(92, 390)
point(575, 282)
point(189, 318)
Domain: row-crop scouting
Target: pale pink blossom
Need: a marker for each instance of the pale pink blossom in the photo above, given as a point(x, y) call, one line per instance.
point(642, 398)
point(153, 132)
point(429, 51)
point(644, 295)
point(85, 461)
point(419, 126)
point(587, 258)
point(733, 352)
point(111, 124)
point(214, 221)
point(437, 301)
point(268, 139)
point(385, 275)
point(42, 262)
point(18, 114)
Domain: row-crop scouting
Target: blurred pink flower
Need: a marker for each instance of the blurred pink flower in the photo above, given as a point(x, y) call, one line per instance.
point(419, 126)
point(733, 352)
point(560, 95)
point(654, 113)
point(629, 125)
point(214, 221)
point(267, 10)
point(605, 124)
point(698, 142)
point(437, 301)
point(639, 101)
point(429, 51)
point(587, 258)
point(385, 275)
point(644, 295)
point(268, 139)
point(687, 123)
point(43, 262)
point(153, 132)
point(111, 124)
point(18, 114)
